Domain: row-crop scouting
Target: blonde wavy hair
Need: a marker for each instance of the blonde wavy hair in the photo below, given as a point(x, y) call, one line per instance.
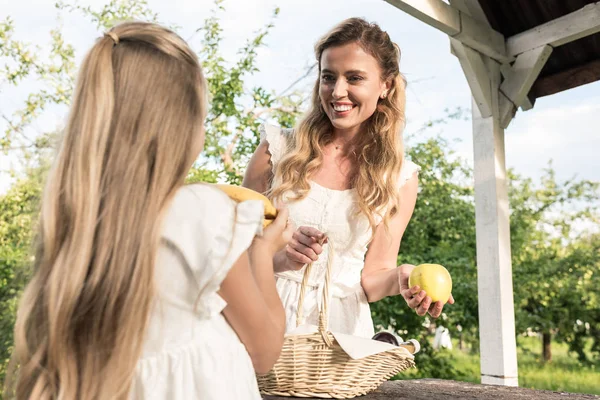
point(138, 109)
point(380, 151)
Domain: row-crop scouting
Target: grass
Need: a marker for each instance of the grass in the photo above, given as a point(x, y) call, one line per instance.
point(564, 373)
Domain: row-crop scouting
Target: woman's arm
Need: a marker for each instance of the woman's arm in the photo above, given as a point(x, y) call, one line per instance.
point(257, 177)
point(259, 172)
point(380, 277)
point(380, 274)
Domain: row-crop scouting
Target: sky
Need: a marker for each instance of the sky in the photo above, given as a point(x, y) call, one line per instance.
point(562, 128)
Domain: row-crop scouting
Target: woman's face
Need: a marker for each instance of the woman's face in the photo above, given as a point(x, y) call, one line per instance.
point(350, 86)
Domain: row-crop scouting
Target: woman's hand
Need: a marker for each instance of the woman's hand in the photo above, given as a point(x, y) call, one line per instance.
point(304, 247)
point(416, 298)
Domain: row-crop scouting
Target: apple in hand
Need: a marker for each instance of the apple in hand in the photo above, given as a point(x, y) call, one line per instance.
point(434, 279)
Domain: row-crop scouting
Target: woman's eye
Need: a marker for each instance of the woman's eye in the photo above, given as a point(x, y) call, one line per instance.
point(355, 78)
point(327, 78)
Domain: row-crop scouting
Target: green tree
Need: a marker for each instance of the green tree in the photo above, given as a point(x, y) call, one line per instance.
point(18, 215)
point(554, 262)
point(237, 111)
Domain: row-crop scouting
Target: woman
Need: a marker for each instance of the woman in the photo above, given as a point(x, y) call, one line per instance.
point(343, 175)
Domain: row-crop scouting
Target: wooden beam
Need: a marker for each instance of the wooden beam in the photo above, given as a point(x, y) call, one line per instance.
point(568, 28)
point(524, 72)
point(498, 349)
point(459, 25)
point(507, 110)
point(482, 38)
point(568, 79)
point(433, 12)
point(528, 102)
point(519, 80)
point(472, 8)
point(476, 74)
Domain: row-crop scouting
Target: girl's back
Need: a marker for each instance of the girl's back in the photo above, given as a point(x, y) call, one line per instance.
point(190, 351)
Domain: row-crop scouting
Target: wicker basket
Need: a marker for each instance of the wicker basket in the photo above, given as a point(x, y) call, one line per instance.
point(314, 365)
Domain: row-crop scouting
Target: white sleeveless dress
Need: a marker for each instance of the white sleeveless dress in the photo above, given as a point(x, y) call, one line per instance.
point(332, 212)
point(190, 350)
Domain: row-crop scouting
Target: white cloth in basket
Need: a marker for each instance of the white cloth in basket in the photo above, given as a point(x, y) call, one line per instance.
point(194, 353)
point(355, 346)
point(332, 212)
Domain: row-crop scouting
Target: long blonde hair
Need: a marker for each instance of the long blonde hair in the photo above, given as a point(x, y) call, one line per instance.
point(138, 109)
point(380, 150)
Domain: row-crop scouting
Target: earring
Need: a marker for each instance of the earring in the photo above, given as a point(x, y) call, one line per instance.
point(384, 95)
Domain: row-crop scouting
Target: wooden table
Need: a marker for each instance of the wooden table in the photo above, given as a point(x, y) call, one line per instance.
point(433, 389)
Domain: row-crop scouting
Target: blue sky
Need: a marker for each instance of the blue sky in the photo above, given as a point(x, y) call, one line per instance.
point(562, 127)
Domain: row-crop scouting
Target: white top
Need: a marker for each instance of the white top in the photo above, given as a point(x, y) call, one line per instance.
point(190, 351)
point(332, 212)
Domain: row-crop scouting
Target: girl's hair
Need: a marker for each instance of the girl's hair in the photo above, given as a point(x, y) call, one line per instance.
point(138, 109)
point(379, 151)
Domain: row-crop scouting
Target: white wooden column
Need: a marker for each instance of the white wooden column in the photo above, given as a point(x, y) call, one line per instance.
point(492, 110)
point(494, 271)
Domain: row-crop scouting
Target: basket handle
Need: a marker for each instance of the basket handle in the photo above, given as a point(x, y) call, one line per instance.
point(324, 310)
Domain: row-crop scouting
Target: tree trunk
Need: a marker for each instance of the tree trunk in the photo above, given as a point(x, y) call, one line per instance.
point(460, 341)
point(547, 346)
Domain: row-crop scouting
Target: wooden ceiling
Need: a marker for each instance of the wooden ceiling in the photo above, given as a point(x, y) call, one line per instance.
point(570, 65)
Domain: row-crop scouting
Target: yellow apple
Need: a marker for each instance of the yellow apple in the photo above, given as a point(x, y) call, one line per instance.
point(434, 279)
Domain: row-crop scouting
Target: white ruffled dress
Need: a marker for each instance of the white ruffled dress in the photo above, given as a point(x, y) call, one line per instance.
point(332, 212)
point(192, 352)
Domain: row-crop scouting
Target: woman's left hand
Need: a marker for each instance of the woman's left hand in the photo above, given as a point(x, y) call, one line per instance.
point(416, 298)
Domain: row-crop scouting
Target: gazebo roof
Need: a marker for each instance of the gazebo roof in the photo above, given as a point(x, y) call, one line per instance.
point(570, 65)
point(542, 47)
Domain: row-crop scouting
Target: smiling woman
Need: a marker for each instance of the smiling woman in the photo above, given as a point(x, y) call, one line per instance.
point(343, 176)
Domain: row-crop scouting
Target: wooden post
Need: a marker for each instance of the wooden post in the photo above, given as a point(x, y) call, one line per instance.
point(498, 347)
point(494, 272)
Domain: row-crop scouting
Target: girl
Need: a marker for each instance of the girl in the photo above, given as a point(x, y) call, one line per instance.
point(343, 175)
point(143, 288)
